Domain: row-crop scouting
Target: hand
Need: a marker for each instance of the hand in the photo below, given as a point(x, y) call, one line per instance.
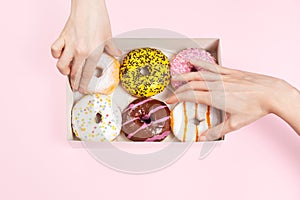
point(86, 34)
point(243, 96)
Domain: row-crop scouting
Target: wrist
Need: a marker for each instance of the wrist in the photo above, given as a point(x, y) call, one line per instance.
point(279, 96)
point(87, 6)
point(286, 101)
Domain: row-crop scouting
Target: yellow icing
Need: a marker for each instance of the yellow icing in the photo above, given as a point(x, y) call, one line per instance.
point(146, 85)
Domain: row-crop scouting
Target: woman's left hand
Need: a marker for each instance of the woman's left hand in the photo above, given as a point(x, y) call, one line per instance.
point(243, 96)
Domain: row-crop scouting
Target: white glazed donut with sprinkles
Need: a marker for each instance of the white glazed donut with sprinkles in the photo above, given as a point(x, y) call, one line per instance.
point(95, 118)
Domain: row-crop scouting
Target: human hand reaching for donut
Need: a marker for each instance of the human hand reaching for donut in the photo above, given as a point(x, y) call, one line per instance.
point(86, 35)
point(244, 96)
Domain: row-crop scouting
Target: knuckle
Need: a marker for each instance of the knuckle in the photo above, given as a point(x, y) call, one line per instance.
point(63, 71)
point(81, 50)
point(54, 47)
point(59, 66)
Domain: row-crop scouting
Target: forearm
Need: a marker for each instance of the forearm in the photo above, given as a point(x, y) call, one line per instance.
point(287, 105)
point(89, 6)
point(76, 3)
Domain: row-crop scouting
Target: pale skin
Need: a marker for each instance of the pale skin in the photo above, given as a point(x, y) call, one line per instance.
point(243, 96)
point(86, 35)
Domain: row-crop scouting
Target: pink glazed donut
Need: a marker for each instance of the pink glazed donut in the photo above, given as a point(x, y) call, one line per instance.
point(180, 62)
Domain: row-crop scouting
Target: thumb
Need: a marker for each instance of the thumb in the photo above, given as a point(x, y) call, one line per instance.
point(216, 132)
point(111, 49)
point(57, 47)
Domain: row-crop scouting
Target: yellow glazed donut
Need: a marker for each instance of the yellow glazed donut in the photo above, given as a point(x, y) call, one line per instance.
point(145, 72)
point(106, 76)
point(96, 118)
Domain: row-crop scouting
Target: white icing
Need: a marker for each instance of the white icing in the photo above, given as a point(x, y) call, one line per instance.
point(189, 129)
point(84, 121)
point(99, 84)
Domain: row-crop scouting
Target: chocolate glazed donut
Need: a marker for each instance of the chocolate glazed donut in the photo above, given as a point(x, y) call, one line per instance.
point(146, 120)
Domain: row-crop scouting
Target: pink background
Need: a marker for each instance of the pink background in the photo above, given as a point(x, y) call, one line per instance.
point(261, 161)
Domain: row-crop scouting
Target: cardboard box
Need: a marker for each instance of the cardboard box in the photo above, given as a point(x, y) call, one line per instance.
point(169, 46)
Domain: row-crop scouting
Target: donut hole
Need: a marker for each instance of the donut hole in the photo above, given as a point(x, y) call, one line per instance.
point(146, 119)
point(145, 70)
point(98, 118)
point(197, 121)
point(98, 72)
point(194, 69)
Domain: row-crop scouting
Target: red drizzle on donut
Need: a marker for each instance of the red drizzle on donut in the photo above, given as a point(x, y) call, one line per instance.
point(208, 117)
point(185, 122)
point(196, 117)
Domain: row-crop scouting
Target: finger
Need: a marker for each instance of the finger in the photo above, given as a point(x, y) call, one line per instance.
point(197, 76)
point(190, 96)
point(57, 47)
point(200, 86)
point(89, 69)
point(111, 49)
point(216, 132)
point(76, 72)
point(63, 64)
point(193, 85)
point(210, 66)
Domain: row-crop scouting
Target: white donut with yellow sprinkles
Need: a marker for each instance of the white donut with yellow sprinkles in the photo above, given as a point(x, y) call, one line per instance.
point(95, 118)
point(190, 120)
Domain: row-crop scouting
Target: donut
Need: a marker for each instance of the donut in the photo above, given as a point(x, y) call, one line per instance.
point(147, 120)
point(190, 120)
point(95, 118)
point(145, 72)
point(180, 62)
point(106, 76)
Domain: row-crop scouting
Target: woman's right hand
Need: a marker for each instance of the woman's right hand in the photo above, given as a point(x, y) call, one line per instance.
point(85, 36)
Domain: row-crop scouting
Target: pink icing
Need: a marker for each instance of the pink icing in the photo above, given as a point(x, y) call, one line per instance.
point(146, 125)
point(132, 106)
point(142, 127)
point(158, 137)
point(180, 63)
point(145, 116)
point(160, 120)
point(133, 119)
point(153, 111)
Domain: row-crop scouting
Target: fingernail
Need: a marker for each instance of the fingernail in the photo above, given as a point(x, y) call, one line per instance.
point(175, 77)
point(120, 52)
point(81, 90)
point(169, 100)
point(202, 138)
